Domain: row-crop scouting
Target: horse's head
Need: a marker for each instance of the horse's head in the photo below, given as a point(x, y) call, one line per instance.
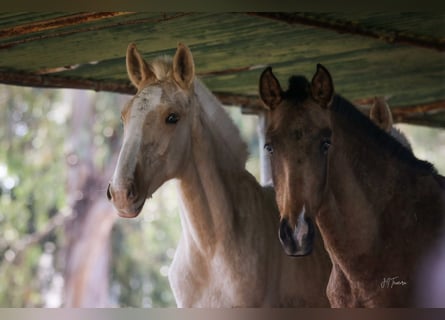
point(157, 128)
point(298, 138)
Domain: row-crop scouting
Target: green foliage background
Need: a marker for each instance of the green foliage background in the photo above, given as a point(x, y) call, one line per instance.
point(31, 160)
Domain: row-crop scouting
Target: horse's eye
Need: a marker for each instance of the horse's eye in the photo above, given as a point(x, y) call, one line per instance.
point(268, 147)
point(325, 145)
point(172, 118)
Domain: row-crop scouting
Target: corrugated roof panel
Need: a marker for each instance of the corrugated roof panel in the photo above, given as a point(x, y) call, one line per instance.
point(231, 50)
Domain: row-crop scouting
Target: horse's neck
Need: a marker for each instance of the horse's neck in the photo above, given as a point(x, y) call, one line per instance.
point(372, 195)
point(360, 165)
point(207, 192)
point(349, 220)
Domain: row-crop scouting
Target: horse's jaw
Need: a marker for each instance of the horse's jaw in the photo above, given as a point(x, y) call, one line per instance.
point(132, 210)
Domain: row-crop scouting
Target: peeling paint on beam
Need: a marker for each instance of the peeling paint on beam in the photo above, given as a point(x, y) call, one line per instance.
point(69, 20)
point(343, 26)
point(14, 43)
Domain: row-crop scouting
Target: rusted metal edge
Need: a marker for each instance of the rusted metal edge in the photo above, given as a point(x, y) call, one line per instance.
point(165, 17)
point(344, 26)
point(250, 104)
point(231, 70)
point(64, 21)
point(51, 81)
point(402, 114)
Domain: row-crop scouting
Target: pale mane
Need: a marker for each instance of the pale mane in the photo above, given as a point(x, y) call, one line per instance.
point(232, 146)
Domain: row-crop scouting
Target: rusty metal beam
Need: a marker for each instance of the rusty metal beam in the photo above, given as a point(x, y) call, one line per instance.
point(344, 26)
point(231, 70)
point(400, 114)
point(247, 102)
point(51, 81)
point(250, 104)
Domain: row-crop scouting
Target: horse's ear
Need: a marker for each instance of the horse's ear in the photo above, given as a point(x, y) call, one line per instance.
point(322, 87)
point(380, 114)
point(137, 68)
point(270, 89)
point(183, 66)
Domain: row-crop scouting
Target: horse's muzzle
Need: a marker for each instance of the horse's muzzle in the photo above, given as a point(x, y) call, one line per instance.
point(125, 199)
point(298, 241)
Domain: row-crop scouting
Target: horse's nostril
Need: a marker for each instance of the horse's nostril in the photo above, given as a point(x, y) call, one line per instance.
point(131, 192)
point(109, 196)
point(285, 231)
point(286, 236)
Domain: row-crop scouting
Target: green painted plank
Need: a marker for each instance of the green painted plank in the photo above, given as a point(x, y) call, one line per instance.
point(426, 24)
point(73, 48)
point(208, 30)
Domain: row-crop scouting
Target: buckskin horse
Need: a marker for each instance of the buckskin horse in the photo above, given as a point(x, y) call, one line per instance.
point(377, 206)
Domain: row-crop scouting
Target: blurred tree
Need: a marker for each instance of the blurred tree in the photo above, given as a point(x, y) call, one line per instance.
point(87, 250)
point(31, 159)
point(57, 152)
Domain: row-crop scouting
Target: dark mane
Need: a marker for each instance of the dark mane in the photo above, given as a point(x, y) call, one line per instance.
point(298, 89)
point(357, 119)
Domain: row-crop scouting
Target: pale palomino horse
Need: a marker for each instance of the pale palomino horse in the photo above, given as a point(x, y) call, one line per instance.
point(379, 209)
point(228, 254)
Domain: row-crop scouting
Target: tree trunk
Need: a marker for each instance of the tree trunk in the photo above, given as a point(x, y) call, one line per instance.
point(87, 253)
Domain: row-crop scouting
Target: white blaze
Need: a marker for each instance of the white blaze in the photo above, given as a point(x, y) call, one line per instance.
point(302, 228)
point(147, 100)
